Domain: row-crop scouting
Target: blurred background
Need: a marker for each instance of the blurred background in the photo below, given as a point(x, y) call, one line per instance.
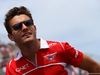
point(73, 21)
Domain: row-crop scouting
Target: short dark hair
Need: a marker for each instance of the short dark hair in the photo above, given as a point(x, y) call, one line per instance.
point(13, 12)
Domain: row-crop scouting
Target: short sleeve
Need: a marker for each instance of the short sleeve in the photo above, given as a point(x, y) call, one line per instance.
point(71, 56)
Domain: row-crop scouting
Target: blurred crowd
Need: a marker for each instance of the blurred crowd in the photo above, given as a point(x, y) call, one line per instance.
point(10, 50)
point(7, 52)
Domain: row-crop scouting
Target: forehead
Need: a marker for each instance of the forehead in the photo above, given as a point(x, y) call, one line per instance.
point(18, 18)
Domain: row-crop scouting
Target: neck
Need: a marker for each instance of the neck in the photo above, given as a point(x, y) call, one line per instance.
point(30, 49)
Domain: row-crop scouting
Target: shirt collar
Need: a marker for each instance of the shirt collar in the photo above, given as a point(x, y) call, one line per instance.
point(43, 45)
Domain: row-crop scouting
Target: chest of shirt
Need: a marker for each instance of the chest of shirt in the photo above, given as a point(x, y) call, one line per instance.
point(46, 62)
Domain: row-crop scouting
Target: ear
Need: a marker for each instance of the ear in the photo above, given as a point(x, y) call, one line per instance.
point(35, 28)
point(10, 36)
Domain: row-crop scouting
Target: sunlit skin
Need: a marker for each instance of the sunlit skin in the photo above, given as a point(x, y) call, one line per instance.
point(25, 38)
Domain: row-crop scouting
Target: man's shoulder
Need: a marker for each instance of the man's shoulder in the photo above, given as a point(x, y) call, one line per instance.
point(12, 62)
point(49, 42)
point(53, 43)
point(56, 43)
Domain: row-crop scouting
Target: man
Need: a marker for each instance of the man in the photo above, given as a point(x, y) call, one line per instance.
point(37, 56)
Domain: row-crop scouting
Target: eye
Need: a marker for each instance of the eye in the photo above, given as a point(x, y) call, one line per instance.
point(28, 23)
point(17, 26)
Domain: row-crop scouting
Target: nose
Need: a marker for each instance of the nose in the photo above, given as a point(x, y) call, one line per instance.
point(24, 27)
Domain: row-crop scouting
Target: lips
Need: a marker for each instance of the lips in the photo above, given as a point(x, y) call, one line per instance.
point(26, 34)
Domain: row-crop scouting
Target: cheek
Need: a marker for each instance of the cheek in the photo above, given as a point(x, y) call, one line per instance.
point(33, 30)
point(16, 35)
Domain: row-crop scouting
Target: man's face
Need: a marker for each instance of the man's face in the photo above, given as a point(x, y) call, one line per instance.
point(25, 33)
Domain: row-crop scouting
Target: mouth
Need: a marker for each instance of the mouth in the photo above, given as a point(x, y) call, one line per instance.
point(26, 34)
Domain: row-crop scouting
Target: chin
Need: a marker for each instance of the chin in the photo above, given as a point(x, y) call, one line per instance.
point(29, 40)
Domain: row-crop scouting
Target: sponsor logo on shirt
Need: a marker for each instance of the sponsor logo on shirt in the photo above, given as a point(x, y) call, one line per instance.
point(22, 68)
point(50, 56)
point(52, 44)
